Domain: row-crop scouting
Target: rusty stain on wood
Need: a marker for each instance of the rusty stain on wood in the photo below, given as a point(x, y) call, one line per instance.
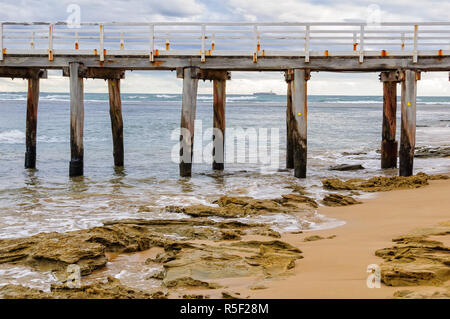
point(299, 131)
point(188, 110)
point(31, 123)
point(408, 127)
point(219, 92)
point(389, 145)
point(115, 112)
point(290, 122)
point(76, 121)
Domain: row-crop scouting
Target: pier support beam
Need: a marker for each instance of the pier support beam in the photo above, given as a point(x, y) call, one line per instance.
point(33, 75)
point(389, 145)
point(76, 121)
point(32, 110)
point(188, 108)
point(190, 76)
point(77, 74)
point(290, 121)
point(408, 128)
point(299, 114)
point(115, 112)
point(219, 90)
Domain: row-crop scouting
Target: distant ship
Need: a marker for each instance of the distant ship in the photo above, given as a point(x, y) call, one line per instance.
point(264, 93)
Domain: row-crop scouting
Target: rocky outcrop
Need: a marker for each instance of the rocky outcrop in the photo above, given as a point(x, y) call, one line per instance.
point(381, 183)
point(432, 152)
point(87, 248)
point(317, 237)
point(417, 259)
point(198, 265)
point(196, 252)
point(111, 289)
point(346, 167)
point(335, 200)
point(234, 207)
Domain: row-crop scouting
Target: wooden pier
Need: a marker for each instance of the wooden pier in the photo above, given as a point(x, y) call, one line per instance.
point(210, 51)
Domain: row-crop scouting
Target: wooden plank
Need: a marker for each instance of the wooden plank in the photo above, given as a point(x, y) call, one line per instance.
point(408, 127)
point(115, 112)
point(97, 73)
point(205, 74)
point(23, 73)
point(31, 126)
point(389, 145)
point(219, 90)
point(299, 113)
point(290, 122)
point(188, 108)
point(237, 63)
point(76, 121)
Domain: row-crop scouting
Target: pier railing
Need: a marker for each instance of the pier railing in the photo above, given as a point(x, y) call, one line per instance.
point(202, 40)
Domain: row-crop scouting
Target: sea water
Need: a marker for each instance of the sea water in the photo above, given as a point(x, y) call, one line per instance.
point(341, 129)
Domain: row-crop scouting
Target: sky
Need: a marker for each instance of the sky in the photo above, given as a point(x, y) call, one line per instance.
point(231, 11)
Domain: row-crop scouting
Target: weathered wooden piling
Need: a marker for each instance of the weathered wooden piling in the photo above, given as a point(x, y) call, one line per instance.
point(408, 127)
point(31, 126)
point(33, 75)
point(115, 112)
point(290, 121)
point(219, 92)
point(76, 120)
point(299, 113)
point(188, 108)
point(389, 145)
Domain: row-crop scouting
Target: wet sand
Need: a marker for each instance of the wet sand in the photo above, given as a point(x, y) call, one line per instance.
point(337, 268)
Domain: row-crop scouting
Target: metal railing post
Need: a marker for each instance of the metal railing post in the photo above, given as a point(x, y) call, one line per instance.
point(102, 49)
point(203, 59)
point(1, 41)
point(152, 42)
point(361, 44)
point(416, 31)
point(307, 44)
point(50, 42)
point(257, 45)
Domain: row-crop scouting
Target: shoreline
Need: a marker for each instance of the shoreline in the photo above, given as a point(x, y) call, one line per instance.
point(337, 268)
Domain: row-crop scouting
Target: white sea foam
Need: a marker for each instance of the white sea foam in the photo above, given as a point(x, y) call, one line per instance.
point(20, 275)
point(164, 96)
point(12, 137)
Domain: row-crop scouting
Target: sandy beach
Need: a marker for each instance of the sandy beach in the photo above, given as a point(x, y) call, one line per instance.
point(336, 268)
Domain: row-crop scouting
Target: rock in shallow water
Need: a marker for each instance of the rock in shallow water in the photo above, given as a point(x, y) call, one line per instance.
point(346, 167)
point(87, 248)
point(242, 206)
point(381, 183)
point(432, 152)
point(336, 200)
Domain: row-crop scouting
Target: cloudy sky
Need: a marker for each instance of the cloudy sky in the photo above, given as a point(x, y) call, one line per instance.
point(231, 10)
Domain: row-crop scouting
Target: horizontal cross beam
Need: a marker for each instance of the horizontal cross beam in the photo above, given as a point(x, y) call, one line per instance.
point(205, 74)
point(327, 64)
point(23, 73)
point(97, 73)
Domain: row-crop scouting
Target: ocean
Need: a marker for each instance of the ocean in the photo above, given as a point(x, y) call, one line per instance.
point(341, 129)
